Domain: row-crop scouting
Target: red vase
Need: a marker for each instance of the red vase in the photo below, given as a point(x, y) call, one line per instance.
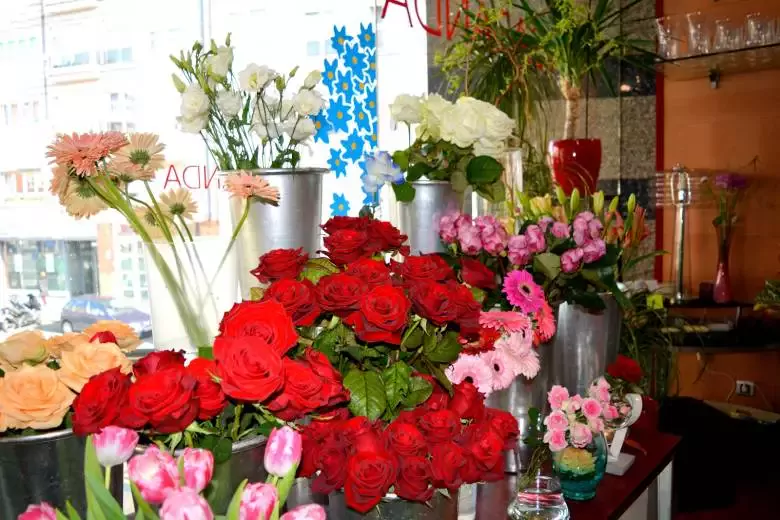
point(576, 163)
point(721, 292)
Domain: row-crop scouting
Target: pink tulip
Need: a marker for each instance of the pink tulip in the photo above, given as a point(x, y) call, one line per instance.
point(307, 512)
point(42, 511)
point(283, 451)
point(198, 468)
point(155, 473)
point(114, 445)
point(258, 501)
point(185, 504)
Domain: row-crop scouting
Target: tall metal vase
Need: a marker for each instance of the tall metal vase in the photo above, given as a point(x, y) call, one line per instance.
point(294, 223)
point(437, 508)
point(584, 344)
point(420, 217)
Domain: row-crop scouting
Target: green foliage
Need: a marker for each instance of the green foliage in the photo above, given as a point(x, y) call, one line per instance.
point(316, 268)
point(367, 391)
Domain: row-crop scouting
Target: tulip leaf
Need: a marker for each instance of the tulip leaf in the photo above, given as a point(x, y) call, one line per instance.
point(61, 516)
point(107, 506)
point(404, 192)
point(419, 392)
point(235, 502)
point(396, 378)
point(141, 504)
point(442, 350)
point(285, 484)
point(483, 170)
point(367, 394)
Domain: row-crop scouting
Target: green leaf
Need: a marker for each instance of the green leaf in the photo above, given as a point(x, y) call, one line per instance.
point(401, 158)
point(396, 378)
point(72, 513)
point(495, 192)
point(404, 192)
point(414, 339)
point(332, 340)
point(437, 372)
point(459, 181)
point(206, 352)
point(360, 352)
point(256, 293)
point(478, 293)
point(285, 484)
point(419, 392)
point(316, 268)
point(444, 350)
point(483, 170)
point(367, 393)
point(92, 472)
point(590, 300)
point(549, 264)
point(141, 504)
point(417, 171)
point(222, 450)
point(105, 501)
point(235, 502)
point(609, 259)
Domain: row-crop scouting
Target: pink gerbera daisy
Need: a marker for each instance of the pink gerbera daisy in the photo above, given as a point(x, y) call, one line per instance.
point(473, 369)
point(545, 324)
point(503, 367)
point(525, 362)
point(517, 344)
point(245, 185)
point(523, 292)
point(505, 321)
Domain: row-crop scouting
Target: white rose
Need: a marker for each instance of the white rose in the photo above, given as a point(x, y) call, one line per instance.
point(434, 108)
point(307, 102)
point(194, 102)
point(300, 130)
point(490, 148)
point(312, 79)
point(219, 64)
point(255, 77)
point(229, 103)
point(192, 125)
point(465, 123)
point(499, 126)
point(406, 109)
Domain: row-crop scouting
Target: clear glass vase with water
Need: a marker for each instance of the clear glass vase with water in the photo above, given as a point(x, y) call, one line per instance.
point(541, 499)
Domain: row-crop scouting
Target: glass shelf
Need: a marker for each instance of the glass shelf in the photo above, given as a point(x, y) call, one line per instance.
point(716, 64)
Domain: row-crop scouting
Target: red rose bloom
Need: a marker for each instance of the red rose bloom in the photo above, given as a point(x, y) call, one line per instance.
point(333, 391)
point(345, 246)
point(487, 448)
point(266, 320)
point(339, 223)
point(297, 298)
point(446, 461)
point(340, 293)
point(361, 435)
point(372, 272)
point(165, 399)
point(280, 264)
point(210, 395)
point(626, 369)
point(439, 426)
point(468, 308)
point(424, 267)
point(383, 236)
point(467, 402)
point(100, 402)
point(439, 399)
point(484, 343)
point(104, 336)
point(405, 440)
point(382, 315)
point(156, 361)
point(433, 301)
point(369, 477)
point(505, 425)
point(332, 463)
point(477, 274)
point(414, 479)
point(249, 368)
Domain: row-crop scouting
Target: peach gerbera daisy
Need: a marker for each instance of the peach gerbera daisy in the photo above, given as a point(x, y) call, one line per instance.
point(178, 201)
point(81, 152)
point(245, 185)
point(139, 159)
point(60, 181)
point(81, 201)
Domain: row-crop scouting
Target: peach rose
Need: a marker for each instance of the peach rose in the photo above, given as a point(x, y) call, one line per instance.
point(56, 345)
point(34, 397)
point(27, 346)
point(126, 338)
point(90, 359)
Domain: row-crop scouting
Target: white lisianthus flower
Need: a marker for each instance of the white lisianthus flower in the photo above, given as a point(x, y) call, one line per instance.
point(286, 110)
point(380, 168)
point(434, 109)
point(406, 109)
point(192, 125)
point(312, 79)
point(308, 102)
point(194, 102)
point(300, 130)
point(255, 77)
point(219, 64)
point(229, 103)
point(499, 126)
point(465, 123)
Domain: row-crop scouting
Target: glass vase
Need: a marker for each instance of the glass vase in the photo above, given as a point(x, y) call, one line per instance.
point(540, 500)
point(581, 469)
point(721, 292)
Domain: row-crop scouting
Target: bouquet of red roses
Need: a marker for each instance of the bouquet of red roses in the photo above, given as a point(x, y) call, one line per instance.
point(445, 442)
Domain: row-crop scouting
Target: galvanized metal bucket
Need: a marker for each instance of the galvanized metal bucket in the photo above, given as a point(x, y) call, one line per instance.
point(46, 467)
point(294, 223)
point(437, 508)
point(420, 218)
point(584, 344)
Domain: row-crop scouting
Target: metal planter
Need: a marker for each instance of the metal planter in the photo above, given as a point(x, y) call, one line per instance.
point(46, 467)
point(419, 218)
point(294, 223)
point(437, 508)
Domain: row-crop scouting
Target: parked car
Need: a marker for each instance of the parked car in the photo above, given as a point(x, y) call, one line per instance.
point(82, 311)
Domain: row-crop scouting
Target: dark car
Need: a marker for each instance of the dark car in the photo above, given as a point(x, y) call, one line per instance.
point(82, 311)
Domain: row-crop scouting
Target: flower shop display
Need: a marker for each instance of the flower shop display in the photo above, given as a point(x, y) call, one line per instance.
point(168, 488)
point(623, 377)
point(40, 379)
point(255, 122)
point(726, 190)
point(95, 172)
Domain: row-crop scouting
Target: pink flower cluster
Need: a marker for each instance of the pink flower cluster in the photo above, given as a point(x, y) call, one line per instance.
point(474, 235)
point(587, 231)
point(575, 419)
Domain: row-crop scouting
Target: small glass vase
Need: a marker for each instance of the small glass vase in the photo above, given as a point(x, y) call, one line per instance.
point(540, 500)
point(721, 292)
point(581, 469)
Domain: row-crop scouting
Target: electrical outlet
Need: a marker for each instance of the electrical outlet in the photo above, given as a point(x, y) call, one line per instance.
point(746, 388)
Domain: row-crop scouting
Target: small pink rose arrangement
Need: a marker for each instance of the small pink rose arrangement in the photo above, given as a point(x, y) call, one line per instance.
point(168, 488)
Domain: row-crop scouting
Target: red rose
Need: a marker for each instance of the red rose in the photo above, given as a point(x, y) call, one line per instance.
point(249, 368)
point(332, 464)
point(297, 298)
point(345, 246)
point(333, 391)
point(414, 479)
point(104, 336)
point(339, 223)
point(432, 300)
point(439, 426)
point(382, 315)
point(340, 293)
point(424, 267)
point(100, 402)
point(467, 402)
point(487, 448)
point(156, 361)
point(405, 440)
point(626, 369)
point(505, 425)
point(384, 237)
point(210, 395)
point(371, 272)
point(447, 459)
point(369, 477)
point(477, 274)
point(280, 264)
point(468, 308)
point(439, 399)
point(266, 320)
point(165, 399)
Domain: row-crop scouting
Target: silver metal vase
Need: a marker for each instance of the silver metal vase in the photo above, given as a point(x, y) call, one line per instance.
point(46, 467)
point(584, 344)
point(419, 219)
point(437, 508)
point(294, 223)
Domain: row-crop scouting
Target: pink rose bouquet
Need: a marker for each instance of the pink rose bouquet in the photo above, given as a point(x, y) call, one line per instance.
point(575, 420)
